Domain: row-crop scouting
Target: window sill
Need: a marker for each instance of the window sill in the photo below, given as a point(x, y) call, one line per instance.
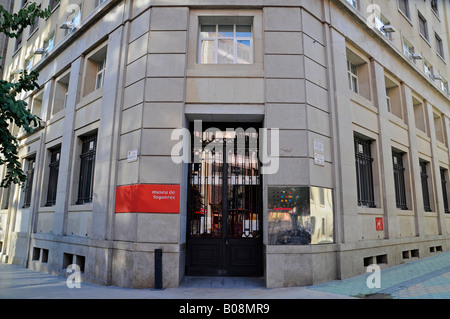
point(397, 121)
point(441, 145)
point(407, 212)
point(32, 34)
point(80, 208)
point(405, 16)
point(46, 209)
point(422, 135)
point(440, 57)
point(363, 101)
point(89, 98)
point(369, 211)
point(425, 39)
point(436, 15)
point(56, 117)
point(226, 70)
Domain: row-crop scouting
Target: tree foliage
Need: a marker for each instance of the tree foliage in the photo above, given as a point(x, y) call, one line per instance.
point(13, 109)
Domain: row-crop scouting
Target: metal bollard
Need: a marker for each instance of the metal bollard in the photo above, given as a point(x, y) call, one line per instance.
point(158, 269)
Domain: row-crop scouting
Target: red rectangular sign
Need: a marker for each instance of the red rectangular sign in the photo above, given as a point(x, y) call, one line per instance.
point(148, 198)
point(379, 223)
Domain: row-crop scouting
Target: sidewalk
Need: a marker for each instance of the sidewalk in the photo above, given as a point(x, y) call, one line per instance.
point(427, 278)
point(423, 279)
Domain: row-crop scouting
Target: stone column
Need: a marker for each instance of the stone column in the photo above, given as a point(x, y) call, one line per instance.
point(65, 166)
point(435, 171)
point(416, 186)
point(385, 147)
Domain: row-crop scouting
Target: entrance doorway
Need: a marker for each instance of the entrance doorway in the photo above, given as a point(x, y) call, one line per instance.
point(224, 235)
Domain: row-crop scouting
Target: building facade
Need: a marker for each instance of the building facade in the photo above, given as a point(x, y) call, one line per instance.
point(297, 140)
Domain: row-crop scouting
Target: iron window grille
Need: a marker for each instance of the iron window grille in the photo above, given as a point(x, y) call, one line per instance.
point(53, 177)
point(29, 184)
point(399, 180)
point(364, 173)
point(424, 180)
point(87, 167)
point(444, 190)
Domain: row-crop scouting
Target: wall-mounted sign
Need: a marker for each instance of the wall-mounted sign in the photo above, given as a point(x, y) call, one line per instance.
point(379, 223)
point(319, 157)
point(132, 156)
point(148, 198)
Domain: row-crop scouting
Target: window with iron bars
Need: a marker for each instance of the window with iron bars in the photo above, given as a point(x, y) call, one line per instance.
point(53, 177)
point(29, 183)
point(87, 167)
point(425, 192)
point(444, 190)
point(364, 172)
point(399, 180)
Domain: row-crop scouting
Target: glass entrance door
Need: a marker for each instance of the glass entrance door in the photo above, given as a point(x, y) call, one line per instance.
point(224, 209)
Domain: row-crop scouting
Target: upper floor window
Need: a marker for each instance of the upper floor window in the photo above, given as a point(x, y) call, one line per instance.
point(75, 19)
point(352, 72)
point(444, 86)
point(428, 69)
point(434, 6)
point(53, 4)
point(18, 43)
point(225, 40)
point(408, 50)
point(381, 23)
point(34, 25)
point(358, 73)
point(423, 26)
point(403, 6)
point(101, 68)
point(61, 93)
point(99, 2)
point(49, 43)
point(439, 46)
point(29, 63)
point(95, 70)
point(353, 3)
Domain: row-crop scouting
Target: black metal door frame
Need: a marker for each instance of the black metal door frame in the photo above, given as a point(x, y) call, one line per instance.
point(227, 254)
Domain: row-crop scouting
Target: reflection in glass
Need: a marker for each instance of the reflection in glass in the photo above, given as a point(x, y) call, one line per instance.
point(240, 189)
point(225, 51)
point(300, 215)
point(225, 44)
point(243, 51)
point(244, 31)
point(207, 52)
point(208, 31)
point(226, 31)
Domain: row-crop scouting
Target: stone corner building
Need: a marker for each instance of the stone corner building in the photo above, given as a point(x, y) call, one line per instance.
point(357, 90)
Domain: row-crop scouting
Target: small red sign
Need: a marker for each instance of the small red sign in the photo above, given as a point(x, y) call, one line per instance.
point(148, 199)
point(379, 223)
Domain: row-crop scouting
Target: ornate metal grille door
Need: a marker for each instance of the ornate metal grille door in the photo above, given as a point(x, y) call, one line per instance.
point(224, 222)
